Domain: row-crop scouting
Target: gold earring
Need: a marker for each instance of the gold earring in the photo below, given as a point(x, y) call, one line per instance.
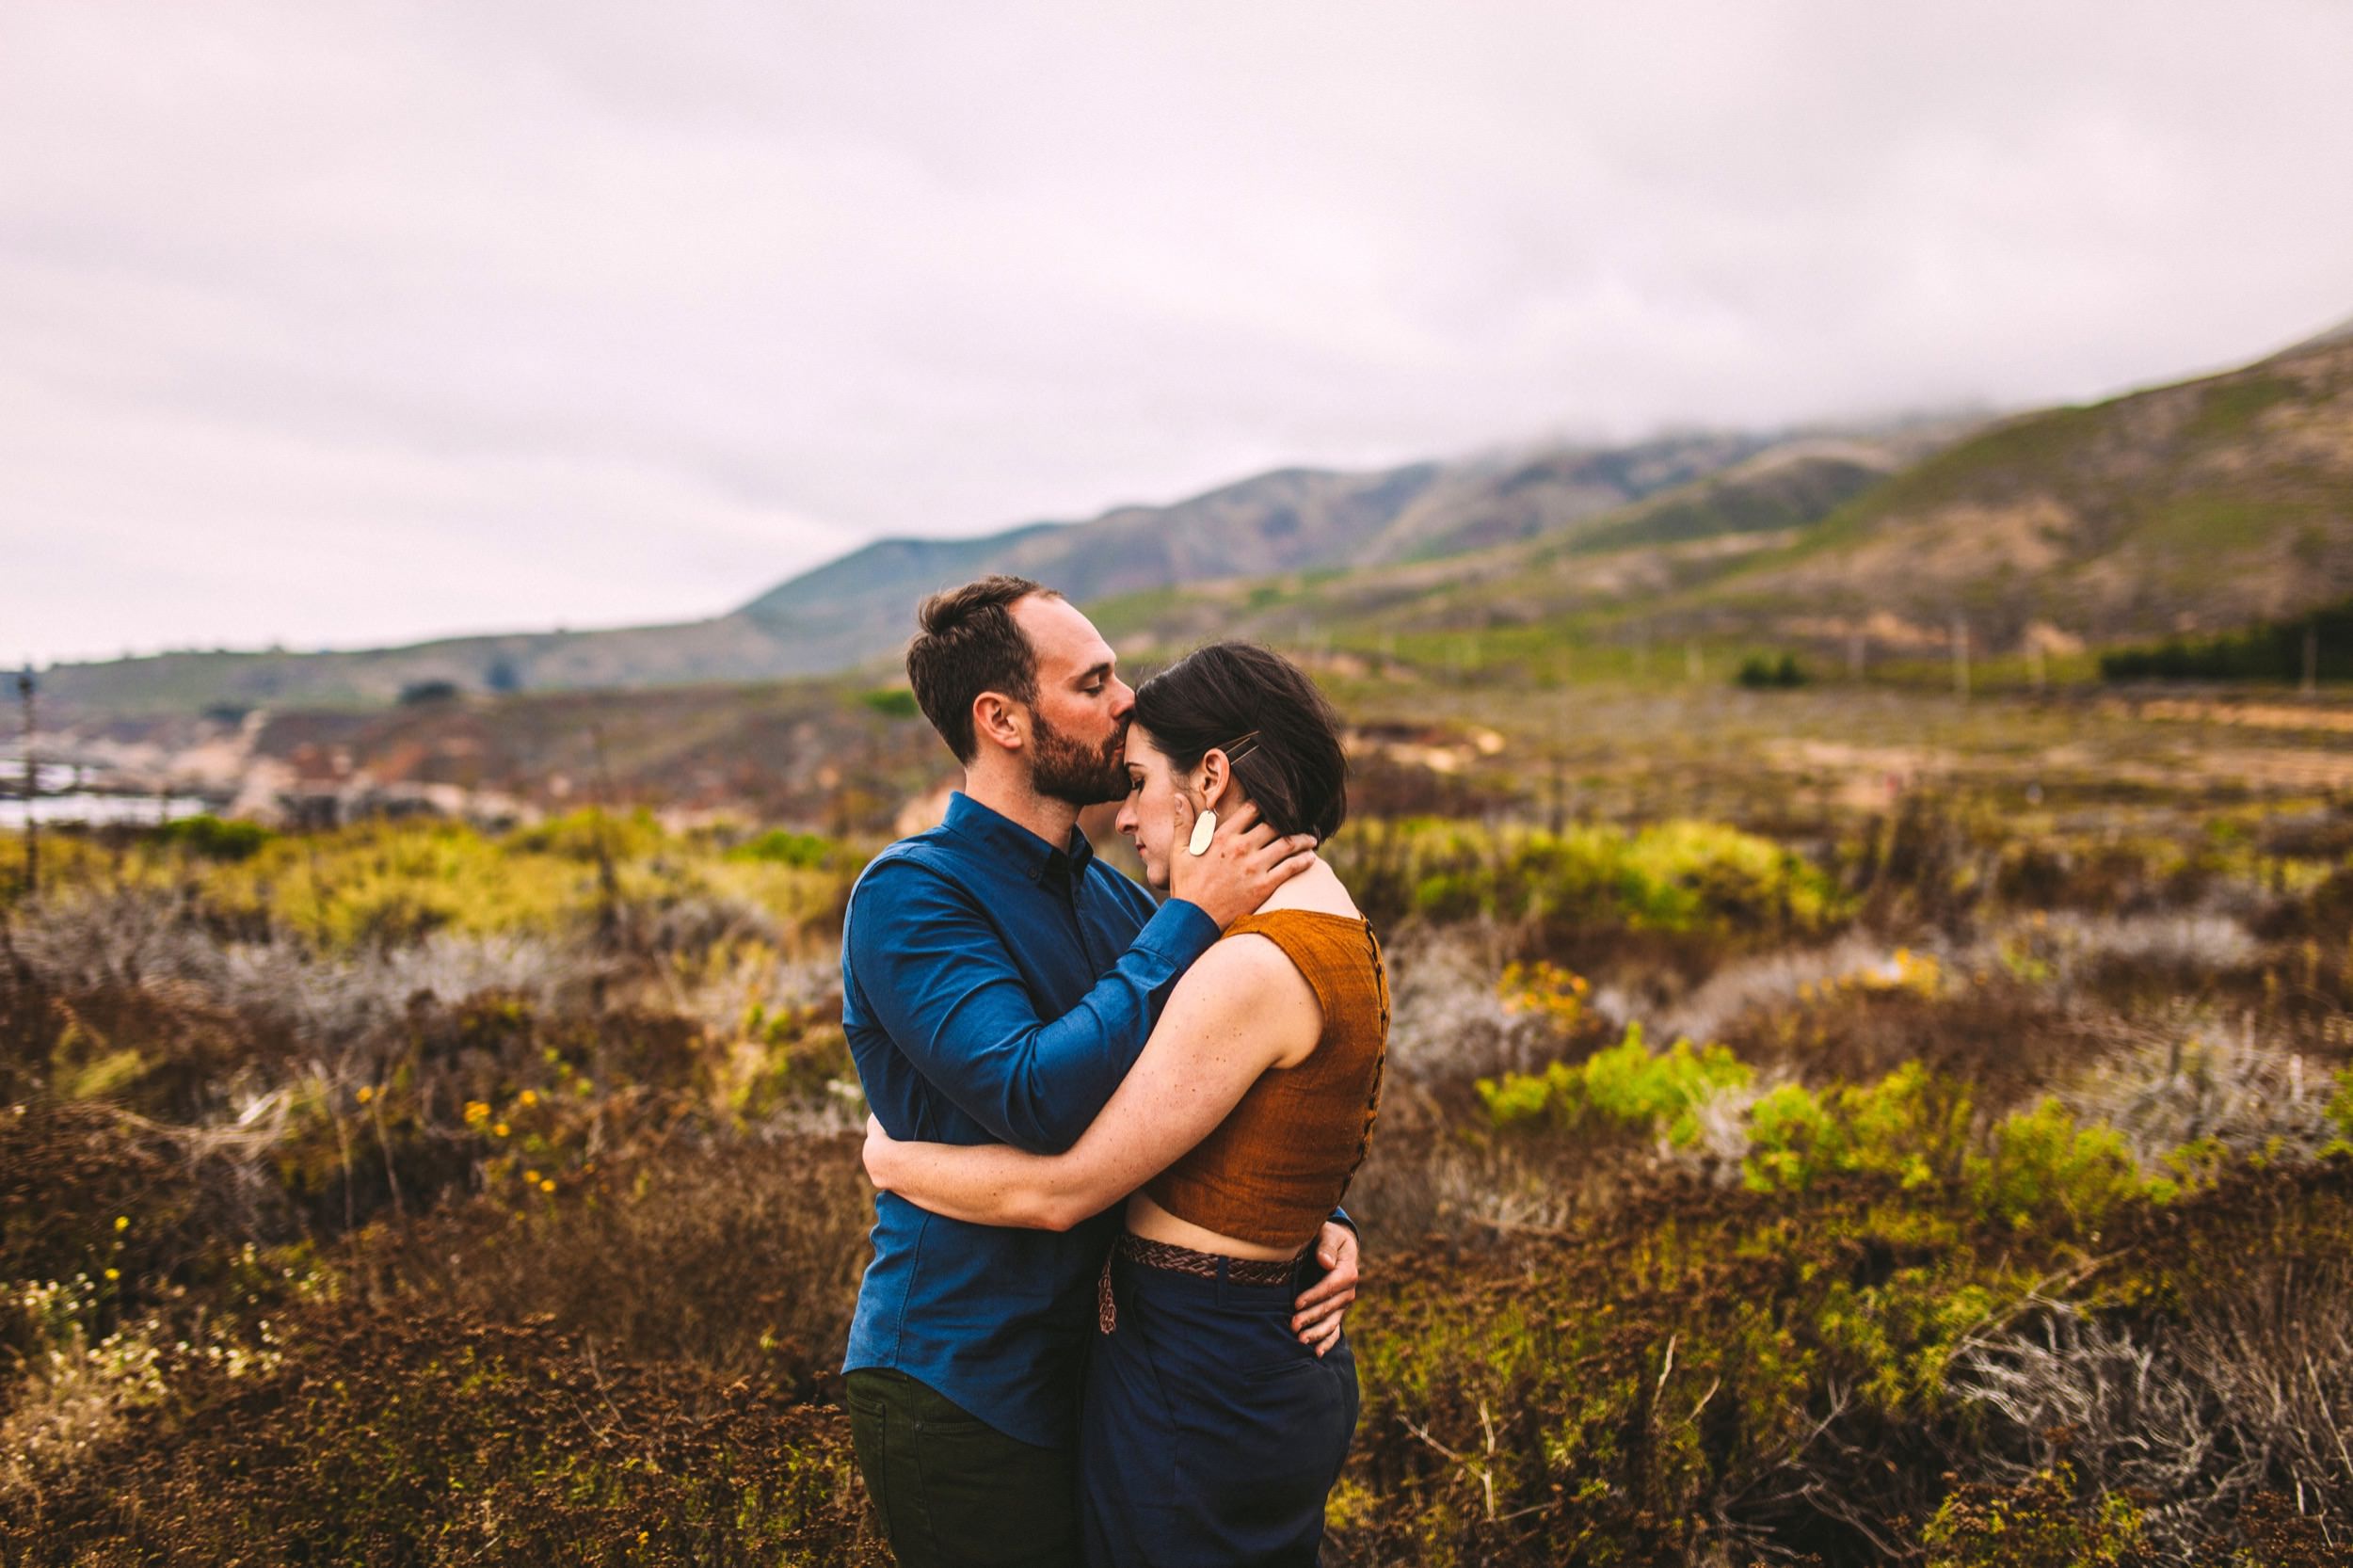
point(1204, 829)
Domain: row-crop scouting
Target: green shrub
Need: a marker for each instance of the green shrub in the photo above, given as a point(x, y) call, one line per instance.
point(782, 847)
point(1626, 1084)
point(2041, 1166)
point(2046, 1168)
point(214, 838)
point(2340, 1104)
point(1909, 1126)
point(1674, 877)
point(2037, 1524)
point(592, 832)
point(1758, 673)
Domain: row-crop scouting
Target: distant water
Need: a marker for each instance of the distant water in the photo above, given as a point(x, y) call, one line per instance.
point(96, 808)
point(60, 802)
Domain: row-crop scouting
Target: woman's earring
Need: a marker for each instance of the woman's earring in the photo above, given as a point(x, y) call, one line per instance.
point(1204, 829)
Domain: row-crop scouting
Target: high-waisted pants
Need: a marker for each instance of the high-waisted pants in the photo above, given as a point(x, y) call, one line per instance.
point(1208, 1434)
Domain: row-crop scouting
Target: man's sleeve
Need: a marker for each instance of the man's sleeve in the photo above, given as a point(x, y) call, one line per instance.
point(934, 973)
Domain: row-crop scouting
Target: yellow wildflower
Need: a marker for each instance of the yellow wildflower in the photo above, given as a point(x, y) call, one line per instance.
point(114, 1273)
point(366, 1093)
point(529, 1098)
point(500, 1129)
point(531, 1178)
point(122, 1222)
point(548, 1186)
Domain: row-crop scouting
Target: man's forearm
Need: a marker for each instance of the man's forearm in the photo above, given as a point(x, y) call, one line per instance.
point(933, 973)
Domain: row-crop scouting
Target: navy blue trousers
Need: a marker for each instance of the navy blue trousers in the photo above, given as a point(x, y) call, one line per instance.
point(1208, 1434)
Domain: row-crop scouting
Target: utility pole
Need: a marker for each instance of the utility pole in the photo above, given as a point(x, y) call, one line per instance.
point(32, 785)
point(608, 886)
point(2312, 658)
point(1960, 658)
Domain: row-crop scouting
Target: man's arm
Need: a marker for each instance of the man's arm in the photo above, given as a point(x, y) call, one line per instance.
point(1243, 1008)
point(932, 969)
point(936, 975)
point(1316, 1315)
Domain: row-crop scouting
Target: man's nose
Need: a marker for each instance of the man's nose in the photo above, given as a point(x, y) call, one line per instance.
point(1123, 698)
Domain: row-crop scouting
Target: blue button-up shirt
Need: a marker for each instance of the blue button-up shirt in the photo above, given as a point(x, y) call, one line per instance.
point(996, 988)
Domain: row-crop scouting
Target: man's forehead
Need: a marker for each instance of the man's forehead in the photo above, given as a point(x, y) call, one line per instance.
point(1067, 642)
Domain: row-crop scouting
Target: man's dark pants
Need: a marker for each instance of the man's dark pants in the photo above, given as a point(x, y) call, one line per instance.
point(953, 1491)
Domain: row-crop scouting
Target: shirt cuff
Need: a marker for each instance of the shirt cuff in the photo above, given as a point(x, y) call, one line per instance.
point(1179, 931)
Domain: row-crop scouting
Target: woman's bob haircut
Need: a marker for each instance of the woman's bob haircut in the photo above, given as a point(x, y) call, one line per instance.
point(1292, 763)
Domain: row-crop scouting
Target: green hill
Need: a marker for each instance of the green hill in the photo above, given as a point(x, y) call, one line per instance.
point(2202, 507)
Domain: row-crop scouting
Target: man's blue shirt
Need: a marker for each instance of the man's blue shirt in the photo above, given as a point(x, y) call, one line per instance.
point(995, 988)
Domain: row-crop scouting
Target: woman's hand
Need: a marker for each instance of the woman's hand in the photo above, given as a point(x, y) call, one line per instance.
point(880, 1146)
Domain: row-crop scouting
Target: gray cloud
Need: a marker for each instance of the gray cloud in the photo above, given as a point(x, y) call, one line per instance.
point(351, 324)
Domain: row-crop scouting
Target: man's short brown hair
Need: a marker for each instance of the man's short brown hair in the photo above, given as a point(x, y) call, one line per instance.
point(970, 643)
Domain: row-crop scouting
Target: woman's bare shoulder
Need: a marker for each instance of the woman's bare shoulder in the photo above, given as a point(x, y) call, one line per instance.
point(1249, 982)
point(1242, 964)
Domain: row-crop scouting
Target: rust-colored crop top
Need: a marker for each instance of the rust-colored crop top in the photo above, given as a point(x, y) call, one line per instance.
point(1274, 1170)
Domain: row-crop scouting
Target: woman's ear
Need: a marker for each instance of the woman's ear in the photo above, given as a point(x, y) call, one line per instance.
point(1216, 772)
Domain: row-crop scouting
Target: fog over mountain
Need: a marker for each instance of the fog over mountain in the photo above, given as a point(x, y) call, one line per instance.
point(355, 325)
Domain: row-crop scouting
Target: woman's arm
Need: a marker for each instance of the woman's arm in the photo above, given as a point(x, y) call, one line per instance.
point(1239, 1011)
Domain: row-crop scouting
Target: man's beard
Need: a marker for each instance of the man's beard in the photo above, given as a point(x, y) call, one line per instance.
point(1066, 771)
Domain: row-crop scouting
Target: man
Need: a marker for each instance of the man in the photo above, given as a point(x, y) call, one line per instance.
point(998, 982)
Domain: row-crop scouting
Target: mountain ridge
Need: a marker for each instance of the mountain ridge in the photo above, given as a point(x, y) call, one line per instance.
point(2195, 505)
point(859, 607)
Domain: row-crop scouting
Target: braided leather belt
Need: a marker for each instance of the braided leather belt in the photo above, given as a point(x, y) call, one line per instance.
point(1183, 1260)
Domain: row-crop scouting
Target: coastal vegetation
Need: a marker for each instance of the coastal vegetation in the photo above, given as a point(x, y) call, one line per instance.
point(1772, 1170)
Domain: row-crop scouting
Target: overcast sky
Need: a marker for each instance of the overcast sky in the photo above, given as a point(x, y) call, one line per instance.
point(346, 324)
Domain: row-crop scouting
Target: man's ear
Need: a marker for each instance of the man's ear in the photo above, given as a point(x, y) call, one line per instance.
point(997, 719)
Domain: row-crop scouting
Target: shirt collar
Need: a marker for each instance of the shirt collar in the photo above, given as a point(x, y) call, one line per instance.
point(1005, 839)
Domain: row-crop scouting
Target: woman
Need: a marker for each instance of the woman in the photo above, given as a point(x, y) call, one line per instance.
point(1210, 1433)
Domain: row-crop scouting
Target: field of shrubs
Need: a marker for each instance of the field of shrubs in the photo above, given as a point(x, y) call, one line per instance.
point(1960, 1182)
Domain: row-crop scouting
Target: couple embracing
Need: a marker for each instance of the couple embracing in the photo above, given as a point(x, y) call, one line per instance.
point(1103, 1319)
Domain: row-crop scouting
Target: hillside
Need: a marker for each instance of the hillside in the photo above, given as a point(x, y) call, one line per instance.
point(2199, 506)
point(1625, 553)
point(859, 608)
point(2209, 504)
